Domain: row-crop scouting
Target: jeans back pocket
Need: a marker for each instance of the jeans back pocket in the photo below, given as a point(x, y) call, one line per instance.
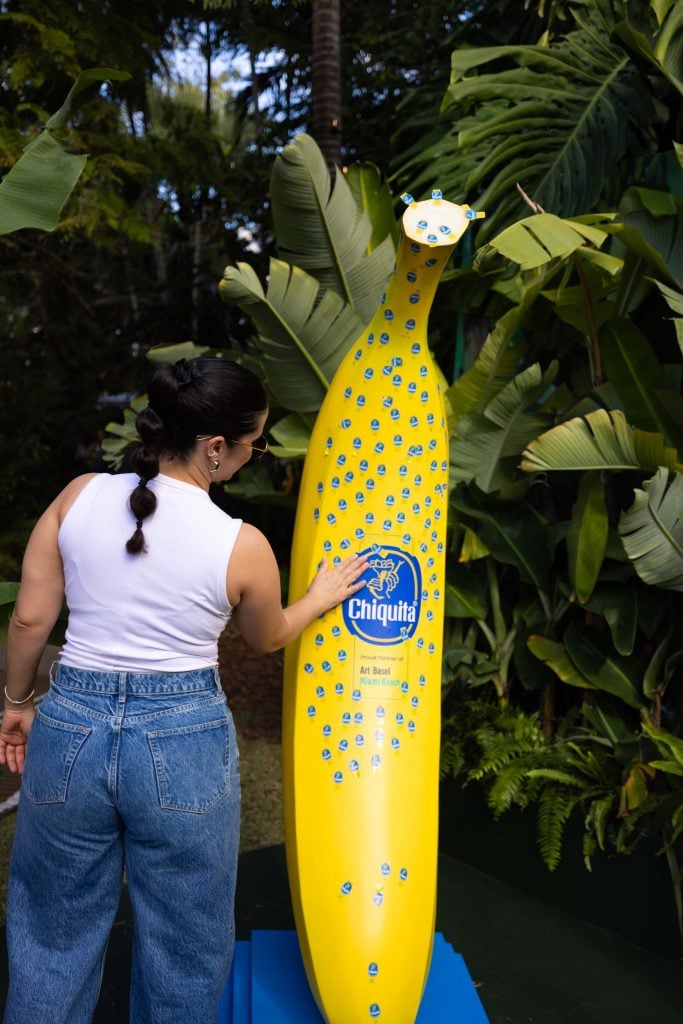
point(51, 752)
point(192, 765)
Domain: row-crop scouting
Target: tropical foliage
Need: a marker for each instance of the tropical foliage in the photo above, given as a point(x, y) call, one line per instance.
point(561, 681)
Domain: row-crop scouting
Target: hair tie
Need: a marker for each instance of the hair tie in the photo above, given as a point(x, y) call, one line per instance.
point(183, 373)
point(138, 524)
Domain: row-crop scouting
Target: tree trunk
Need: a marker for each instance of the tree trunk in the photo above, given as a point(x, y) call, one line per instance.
point(326, 119)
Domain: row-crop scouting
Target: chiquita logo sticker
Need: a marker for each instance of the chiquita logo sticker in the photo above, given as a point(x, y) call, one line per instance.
point(387, 609)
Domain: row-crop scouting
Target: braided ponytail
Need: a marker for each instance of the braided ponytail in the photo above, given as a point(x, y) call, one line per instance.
point(143, 501)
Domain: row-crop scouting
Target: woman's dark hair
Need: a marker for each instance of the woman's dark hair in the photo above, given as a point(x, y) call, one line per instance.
point(199, 396)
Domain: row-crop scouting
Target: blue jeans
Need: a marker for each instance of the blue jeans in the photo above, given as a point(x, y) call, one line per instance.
point(126, 769)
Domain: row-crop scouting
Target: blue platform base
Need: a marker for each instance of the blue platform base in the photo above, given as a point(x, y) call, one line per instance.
point(268, 986)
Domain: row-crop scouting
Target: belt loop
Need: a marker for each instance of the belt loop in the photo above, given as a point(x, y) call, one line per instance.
point(50, 673)
point(217, 679)
point(122, 687)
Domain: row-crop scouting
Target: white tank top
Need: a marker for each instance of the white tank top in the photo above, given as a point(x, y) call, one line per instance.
point(162, 610)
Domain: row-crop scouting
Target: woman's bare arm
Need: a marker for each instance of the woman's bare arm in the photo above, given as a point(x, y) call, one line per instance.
point(254, 591)
point(37, 607)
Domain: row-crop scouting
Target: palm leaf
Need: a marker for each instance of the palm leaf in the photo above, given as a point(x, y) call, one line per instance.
point(652, 531)
point(304, 332)
point(599, 440)
point(485, 444)
point(320, 229)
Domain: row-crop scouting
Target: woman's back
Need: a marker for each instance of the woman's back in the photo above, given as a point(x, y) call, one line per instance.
point(160, 610)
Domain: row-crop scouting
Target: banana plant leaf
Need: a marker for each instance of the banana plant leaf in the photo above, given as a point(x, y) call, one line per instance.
point(465, 594)
point(652, 531)
point(485, 446)
point(8, 595)
point(537, 240)
point(653, 228)
point(674, 300)
point(608, 719)
point(635, 373)
point(471, 548)
point(587, 536)
point(172, 353)
point(304, 332)
point(320, 229)
point(602, 666)
point(515, 537)
point(555, 656)
point(124, 435)
point(599, 440)
point(619, 607)
point(665, 51)
point(497, 360)
point(34, 192)
point(371, 191)
point(293, 435)
point(254, 483)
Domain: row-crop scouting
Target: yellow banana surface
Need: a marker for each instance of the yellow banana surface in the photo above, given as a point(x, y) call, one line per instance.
point(362, 684)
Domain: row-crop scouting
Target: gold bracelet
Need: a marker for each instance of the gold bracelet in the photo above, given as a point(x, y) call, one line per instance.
point(24, 701)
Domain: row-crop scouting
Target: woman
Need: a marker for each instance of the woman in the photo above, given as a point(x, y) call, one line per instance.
point(131, 758)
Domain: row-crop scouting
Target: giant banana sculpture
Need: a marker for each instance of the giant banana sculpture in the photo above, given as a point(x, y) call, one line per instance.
point(362, 684)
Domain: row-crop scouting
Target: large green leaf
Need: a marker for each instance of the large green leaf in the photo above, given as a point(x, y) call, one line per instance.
point(652, 227)
point(635, 373)
point(465, 594)
point(34, 192)
point(603, 667)
point(514, 536)
point(559, 120)
point(652, 531)
point(587, 536)
point(486, 445)
point(555, 656)
point(371, 191)
point(619, 607)
point(496, 363)
point(320, 229)
point(304, 332)
point(8, 595)
point(598, 440)
point(536, 240)
point(674, 300)
point(172, 353)
point(665, 49)
point(292, 434)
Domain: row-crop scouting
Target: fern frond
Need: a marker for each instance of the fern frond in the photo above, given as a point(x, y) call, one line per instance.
point(597, 816)
point(555, 808)
point(507, 789)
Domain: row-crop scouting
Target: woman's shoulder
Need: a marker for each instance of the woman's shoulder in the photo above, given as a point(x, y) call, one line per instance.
point(66, 499)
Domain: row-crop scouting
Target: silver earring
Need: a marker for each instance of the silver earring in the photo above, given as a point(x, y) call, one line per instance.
point(215, 466)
